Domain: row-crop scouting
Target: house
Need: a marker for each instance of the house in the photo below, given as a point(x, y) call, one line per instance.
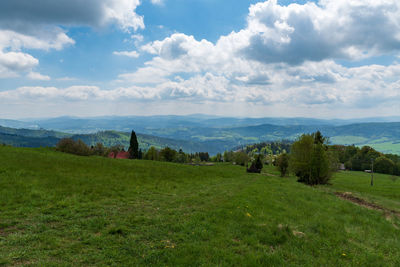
point(120, 155)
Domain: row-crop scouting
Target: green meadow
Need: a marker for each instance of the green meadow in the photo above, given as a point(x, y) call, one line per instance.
point(63, 210)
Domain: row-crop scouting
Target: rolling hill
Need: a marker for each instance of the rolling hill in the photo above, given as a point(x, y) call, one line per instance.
point(60, 209)
point(213, 134)
point(43, 138)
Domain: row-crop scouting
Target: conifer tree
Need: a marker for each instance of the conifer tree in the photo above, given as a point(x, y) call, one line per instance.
point(133, 146)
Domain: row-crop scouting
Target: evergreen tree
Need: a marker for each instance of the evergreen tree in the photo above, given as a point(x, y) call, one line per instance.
point(133, 146)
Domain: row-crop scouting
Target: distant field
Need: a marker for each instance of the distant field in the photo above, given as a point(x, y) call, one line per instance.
point(64, 210)
point(380, 144)
point(347, 140)
point(386, 147)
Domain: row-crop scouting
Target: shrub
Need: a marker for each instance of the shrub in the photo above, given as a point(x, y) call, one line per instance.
point(68, 145)
point(99, 150)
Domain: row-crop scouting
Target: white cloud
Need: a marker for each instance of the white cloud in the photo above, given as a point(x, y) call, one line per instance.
point(329, 29)
point(157, 2)
point(25, 15)
point(285, 55)
point(132, 54)
point(26, 24)
point(285, 59)
point(37, 76)
point(293, 85)
point(12, 63)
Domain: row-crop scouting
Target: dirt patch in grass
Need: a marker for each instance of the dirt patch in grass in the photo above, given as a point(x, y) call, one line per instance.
point(361, 202)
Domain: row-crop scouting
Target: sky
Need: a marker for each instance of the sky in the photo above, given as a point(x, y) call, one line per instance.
point(248, 58)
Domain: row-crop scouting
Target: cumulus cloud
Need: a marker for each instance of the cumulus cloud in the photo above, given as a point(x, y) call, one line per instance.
point(37, 76)
point(157, 2)
point(329, 29)
point(52, 39)
point(358, 87)
point(23, 15)
point(297, 33)
point(132, 54)
point(285, 54)
point(12, 63)
point(26, 24)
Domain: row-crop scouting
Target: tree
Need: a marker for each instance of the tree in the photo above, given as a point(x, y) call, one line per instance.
point(133, 146)
point(204, 156)
point(168, 154)
point(310, 159)
point(256, 166)
point(229, 156)
point(282, 162)
point(241, 158)
point(384, 165)
point(181, 157)
point(151, 154)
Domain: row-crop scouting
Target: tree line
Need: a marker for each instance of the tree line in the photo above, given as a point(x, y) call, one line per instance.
point(310, 157)
point(168, 154)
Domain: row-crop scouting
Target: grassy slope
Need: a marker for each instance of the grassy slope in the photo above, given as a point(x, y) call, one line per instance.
point(58, 209)
point(385, 192)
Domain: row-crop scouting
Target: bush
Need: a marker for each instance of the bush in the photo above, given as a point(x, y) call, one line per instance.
point(68, 145)
point(282, 162)
point(99, 150)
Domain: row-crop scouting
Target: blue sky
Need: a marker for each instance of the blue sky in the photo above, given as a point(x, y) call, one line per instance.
point(327, 58)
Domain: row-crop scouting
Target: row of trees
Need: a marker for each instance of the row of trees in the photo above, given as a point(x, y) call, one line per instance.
point(313, 161)
point(267, 148)
point(78, 147)
point(171, 155)
point(360, 159)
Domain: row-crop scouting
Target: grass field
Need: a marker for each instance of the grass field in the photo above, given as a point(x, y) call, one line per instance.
point(64, 210)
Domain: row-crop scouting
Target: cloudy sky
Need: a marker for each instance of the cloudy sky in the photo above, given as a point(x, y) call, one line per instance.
point(325, 59)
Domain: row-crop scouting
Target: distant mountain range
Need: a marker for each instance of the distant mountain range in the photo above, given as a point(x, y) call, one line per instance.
point(198, 132)
point(140, 123)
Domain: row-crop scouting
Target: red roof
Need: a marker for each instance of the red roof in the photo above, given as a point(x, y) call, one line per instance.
point(120, 155)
